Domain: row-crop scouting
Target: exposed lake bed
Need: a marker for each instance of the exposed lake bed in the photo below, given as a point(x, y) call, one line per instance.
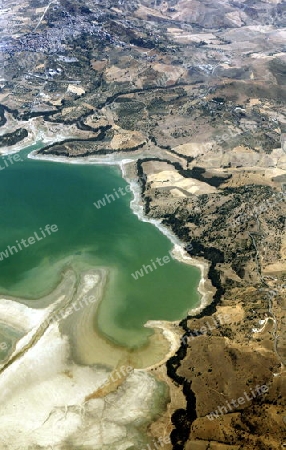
point(184, 105)
point(93, 321)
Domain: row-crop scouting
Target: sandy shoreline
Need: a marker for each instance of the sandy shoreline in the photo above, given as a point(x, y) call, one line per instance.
point(164, 331)
point(205, 288)
point(62, 397)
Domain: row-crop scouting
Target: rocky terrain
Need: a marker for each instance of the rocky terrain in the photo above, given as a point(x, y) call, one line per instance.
point(193, 92)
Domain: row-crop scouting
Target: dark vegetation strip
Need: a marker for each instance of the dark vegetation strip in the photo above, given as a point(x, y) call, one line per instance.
point(182, 419)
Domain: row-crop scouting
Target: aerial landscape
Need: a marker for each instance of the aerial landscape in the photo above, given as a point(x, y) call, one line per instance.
point(142, 230)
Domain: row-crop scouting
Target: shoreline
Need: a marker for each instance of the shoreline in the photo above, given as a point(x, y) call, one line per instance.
point(44, 363)
point(38, 132)
point(178, 250)
point(206, 293)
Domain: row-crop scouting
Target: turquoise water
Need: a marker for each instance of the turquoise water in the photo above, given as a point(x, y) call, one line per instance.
point(36, 193)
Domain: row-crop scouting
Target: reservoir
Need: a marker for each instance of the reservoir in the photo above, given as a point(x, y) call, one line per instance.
point(37, 193)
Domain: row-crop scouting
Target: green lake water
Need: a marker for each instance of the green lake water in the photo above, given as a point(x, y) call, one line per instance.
point(36, 193)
